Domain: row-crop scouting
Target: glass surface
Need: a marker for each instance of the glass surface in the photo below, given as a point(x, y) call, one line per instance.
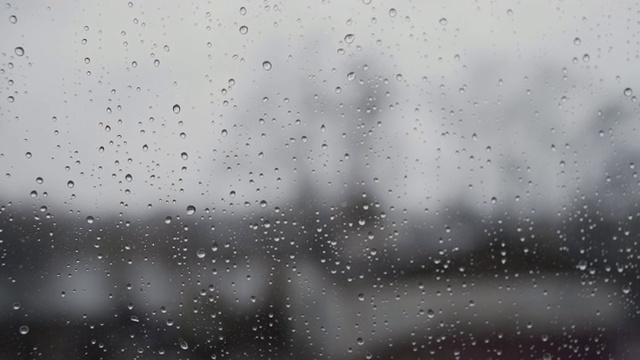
point(313, 179)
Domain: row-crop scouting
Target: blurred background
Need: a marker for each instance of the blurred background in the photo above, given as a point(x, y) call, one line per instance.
point(300, 180)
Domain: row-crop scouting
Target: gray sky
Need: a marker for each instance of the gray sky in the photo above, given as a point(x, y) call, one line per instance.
point(526, 78)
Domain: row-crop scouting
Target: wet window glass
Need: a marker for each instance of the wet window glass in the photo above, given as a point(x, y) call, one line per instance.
point(363, 179)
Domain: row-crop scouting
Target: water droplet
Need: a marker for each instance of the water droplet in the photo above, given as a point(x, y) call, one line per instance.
point(626, 289)
point(19, 51)
point(430, 313)
point(577, 41)
point(243, 11)
point(244, 30)
point(70, 184)
point(201, 253)
point(13, 19)
point(349, 38)
point(128, 177)
point(167, 220)
point(351, 76)
point(16, 306)
point(263, 203)
point(392, 12)
point(90, 219)
point(582, 265)
point(191, 210)
point(266, 65)
point(509, 12)
point(156, 62)
point(176, 109)
point(628, 92)
point(184, 156)
point(223, 132)
point(586, 58)
point(361, 297)
point(34, 193)
point(183, 344)
point(366, 2)
point(443, 21)
point(24, 330)
point(360, 341)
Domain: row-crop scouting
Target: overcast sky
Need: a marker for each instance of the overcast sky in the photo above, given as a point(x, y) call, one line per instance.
point(473, 102)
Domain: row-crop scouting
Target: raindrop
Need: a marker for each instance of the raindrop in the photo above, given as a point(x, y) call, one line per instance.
point(366, 2)
point(263, 203)
point(577, 41)
point(184, 156)
point(13, 19)
point(183, 344)
point(24, 330)
point(34, 194)
point(361, 297)
point(16, 306)
point(90, 219)
point(628, 92)
point(351, 76)
point(266, 65)
point(128, 177)
point(224, 132)
point(156, 62)
point(176, 109)
point(244, 30)
point(167, 220)
point(360, 341)
point(392, 12)
point(70, 184)
point(19, 51)
point(443, 21)
point(243, 11)
point(582, 265)
point(191, 210)
point(201, 253)
point(586, 58)
point(349, 38)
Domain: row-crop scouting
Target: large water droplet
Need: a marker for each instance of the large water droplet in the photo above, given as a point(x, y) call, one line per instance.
point(184, 156)
point(191, 210)
point(628, 92)
point(266, 65)
point(70, 184)
point(13, 19)
point(244, 30)
point(24, 330)
point(443, 21)
point(176, 108)
point(349, 38)
point(183, 344)
point(201, 253)
point(19, 51)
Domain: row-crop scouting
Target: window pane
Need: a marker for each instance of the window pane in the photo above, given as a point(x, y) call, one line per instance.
point(345, 180)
